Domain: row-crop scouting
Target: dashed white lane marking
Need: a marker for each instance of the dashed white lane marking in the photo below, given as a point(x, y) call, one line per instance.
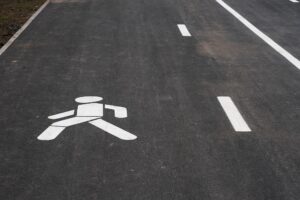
point(294, 1)
point(263, 36)
point(18, 33)
point(233, 114)
point(183, 30)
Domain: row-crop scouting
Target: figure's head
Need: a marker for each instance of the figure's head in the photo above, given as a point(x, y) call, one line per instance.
point(88, 99)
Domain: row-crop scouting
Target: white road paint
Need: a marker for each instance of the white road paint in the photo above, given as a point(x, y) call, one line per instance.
point(88, 99)
point(233, 114)
point(120, 112)
point(62, 115)
point(18, 33)
point(183, 30)
point(114, 130)
point(88, 111)
point(73, 121)
point(294, 1)
point(260, 34)
point(51, 133)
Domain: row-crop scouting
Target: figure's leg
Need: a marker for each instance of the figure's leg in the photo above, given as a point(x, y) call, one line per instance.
point(51, 133)
point(112, 129)
point(73, 121)
point(57, 127)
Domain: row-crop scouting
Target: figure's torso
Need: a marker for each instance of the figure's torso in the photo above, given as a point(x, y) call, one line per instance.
point(90, 110)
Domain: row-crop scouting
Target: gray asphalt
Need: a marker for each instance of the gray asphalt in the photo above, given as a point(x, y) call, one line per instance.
point(131, 53)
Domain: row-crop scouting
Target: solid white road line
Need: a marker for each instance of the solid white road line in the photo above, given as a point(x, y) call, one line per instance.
point(260, 34)
point(294, 1)
point(233, 114)
point(18, 33)
point(184, 31)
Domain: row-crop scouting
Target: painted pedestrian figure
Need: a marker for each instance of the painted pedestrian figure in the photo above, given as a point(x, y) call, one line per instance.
point(91, 111)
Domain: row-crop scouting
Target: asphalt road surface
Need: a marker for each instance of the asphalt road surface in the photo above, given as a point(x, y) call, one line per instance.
point(190, 144)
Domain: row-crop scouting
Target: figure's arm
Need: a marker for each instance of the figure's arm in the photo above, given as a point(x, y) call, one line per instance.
point(120, 112)
point(62, 115)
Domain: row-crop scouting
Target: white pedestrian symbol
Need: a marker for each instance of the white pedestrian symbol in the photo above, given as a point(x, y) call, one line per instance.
point(89, 111)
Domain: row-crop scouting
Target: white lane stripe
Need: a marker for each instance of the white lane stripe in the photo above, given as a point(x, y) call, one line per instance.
point(263, 36)
point(18, 33)
point(233, 114)
point(183, 30)
point(294, 1)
